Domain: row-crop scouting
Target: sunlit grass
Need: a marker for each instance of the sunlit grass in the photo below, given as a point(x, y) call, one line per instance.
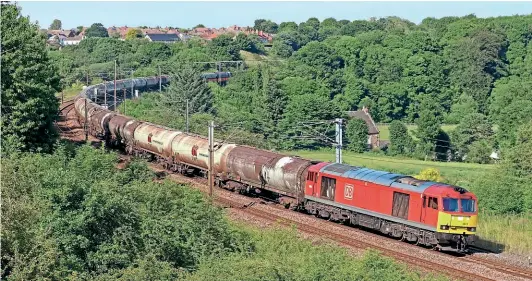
point(513, 232)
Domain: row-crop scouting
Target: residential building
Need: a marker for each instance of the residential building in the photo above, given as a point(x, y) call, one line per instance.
point(164, 37)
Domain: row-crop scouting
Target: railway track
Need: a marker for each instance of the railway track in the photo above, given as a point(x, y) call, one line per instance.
point(507, 269)
point(343, 240)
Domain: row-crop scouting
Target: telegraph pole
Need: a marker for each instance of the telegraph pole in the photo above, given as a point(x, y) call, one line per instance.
point(160, 81)
point(211, 157)
point(124, 101)
point(132, 84)
point(86, 120)
point(338, 143)
point(114, 107)
point(105, 94)
point(186, 118)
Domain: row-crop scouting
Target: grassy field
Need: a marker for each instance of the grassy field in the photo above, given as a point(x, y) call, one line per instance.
point(384, 132)
point(513, 232)
point(507, 233)
point(251, 58)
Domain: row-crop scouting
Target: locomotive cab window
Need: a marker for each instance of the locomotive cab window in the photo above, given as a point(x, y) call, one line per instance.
point(450, 204)
point(328, 185)
point(468, 205)
point(433, 203)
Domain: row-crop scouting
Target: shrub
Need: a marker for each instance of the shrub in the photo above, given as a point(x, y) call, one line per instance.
point(430, 174)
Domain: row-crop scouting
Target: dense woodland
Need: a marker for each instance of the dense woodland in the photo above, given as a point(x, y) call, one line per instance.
point(69, 213)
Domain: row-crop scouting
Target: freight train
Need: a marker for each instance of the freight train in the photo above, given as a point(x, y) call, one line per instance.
point(427, 213)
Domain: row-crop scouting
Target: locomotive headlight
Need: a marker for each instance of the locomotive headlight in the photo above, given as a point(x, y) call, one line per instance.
point(444, 227)
point(472, 229)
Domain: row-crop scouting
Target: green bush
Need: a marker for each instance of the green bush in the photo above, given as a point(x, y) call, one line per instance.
point(401, 143)
point(73, 213)
point(281, 255)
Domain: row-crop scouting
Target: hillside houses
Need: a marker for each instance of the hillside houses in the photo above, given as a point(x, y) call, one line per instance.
point(166, 34)
point(65, 37)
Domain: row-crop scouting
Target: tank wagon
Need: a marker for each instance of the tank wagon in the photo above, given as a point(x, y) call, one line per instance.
point(427, 213)
point(216, 76)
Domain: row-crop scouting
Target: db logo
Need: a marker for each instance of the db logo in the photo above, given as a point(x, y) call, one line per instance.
point(195, 151)
point(348, 191)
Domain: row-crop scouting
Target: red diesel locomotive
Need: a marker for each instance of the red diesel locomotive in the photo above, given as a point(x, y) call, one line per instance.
point(428, 213)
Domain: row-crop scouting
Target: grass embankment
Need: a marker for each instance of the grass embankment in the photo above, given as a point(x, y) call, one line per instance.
point(514, 232)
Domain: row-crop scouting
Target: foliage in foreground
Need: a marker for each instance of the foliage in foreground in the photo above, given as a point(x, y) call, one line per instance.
point(73, 215)
point(281, 255)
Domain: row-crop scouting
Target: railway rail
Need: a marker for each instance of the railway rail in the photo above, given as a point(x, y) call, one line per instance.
point(74, 128)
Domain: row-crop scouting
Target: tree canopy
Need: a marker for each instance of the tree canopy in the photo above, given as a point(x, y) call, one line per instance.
point(29, 83)
point(96, 30)
point(55, 25)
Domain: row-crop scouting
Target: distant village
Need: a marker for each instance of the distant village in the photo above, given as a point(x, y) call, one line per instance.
point(65, 37)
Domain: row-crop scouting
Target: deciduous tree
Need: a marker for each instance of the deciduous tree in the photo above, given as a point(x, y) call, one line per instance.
point(401, 143)
point(96, 30)
point(56, 24)
point(29, 83)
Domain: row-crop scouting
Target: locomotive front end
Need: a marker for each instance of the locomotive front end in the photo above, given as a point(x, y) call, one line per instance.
point(457, 220)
